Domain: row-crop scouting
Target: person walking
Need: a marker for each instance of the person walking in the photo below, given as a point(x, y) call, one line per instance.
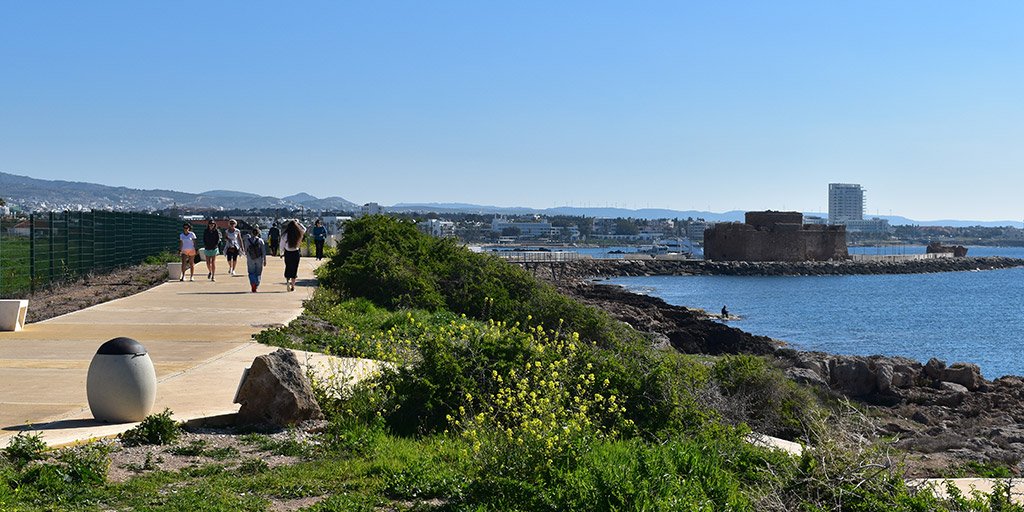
point(274, 238)
point(232, 245)
point(255, 257)
point(291, 238)
point(319, 237)
point(187, 250)
point(211, 242)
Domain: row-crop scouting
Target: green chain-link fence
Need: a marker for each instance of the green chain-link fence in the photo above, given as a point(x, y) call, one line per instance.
point(53, 247)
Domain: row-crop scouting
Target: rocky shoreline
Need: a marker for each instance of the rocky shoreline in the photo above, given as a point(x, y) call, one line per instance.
point(591, 268)
point(944, 417)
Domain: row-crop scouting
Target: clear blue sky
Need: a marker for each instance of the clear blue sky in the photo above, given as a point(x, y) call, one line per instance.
point(681, 104)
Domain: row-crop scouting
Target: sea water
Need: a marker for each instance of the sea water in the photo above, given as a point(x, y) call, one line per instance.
point(975, 317)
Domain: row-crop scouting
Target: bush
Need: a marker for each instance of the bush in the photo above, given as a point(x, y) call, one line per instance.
point(157, 429)
point(395, 266)
point(762, 396)
point(24, 448)
point(75, 472)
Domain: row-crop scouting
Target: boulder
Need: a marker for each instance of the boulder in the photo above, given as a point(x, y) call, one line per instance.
point(934, 368)
point(884, 375)
point(853, 376)
point(965, 374)
point(275, 392)
point(805, 376)
point(952, 387)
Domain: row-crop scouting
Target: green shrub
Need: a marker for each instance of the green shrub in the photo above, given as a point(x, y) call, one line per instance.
point(24, 448)
point(154, 429)
point(390, 263)
point(75, 472)
point(762, 396)
point(161, 258)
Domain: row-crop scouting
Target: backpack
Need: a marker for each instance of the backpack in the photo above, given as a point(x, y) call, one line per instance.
point(253, 249)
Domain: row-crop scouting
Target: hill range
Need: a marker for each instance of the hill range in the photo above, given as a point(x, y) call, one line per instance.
point(37, 194)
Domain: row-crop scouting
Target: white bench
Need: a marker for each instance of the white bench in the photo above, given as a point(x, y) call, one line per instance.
point(12, 314)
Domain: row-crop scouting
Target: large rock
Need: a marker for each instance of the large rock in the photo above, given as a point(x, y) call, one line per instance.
point(935, 368)
point(276, 392)
point(853, 376)
point(966, 374)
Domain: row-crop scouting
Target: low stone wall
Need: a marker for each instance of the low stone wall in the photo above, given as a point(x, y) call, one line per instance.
point(583, 269)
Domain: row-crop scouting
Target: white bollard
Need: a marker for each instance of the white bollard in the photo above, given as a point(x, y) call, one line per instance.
point(121, 384)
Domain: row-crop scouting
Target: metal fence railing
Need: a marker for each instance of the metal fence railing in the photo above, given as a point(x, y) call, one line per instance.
point(52, 247)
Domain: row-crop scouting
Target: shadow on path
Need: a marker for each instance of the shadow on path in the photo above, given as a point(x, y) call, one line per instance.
point(56, 425)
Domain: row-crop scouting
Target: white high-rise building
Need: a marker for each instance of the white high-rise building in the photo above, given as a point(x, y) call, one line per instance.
point(845, 203)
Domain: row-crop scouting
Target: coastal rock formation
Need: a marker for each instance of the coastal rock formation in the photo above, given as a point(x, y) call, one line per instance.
point(276, 392)
point(686, 330)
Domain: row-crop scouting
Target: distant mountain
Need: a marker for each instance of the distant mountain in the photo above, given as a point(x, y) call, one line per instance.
point(38, 195)
point(228, 193)
point(301, 197)
point(645, 213)
point(653, 213)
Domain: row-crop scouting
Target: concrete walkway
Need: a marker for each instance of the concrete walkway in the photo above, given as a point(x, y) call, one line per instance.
point(199, 335)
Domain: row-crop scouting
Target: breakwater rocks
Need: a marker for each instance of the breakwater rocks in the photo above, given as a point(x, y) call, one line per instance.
point(582, 269)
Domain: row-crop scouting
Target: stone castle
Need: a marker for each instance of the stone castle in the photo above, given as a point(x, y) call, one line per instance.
point(774, 236)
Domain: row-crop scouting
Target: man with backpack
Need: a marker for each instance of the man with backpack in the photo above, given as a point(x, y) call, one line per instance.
point(255, 257)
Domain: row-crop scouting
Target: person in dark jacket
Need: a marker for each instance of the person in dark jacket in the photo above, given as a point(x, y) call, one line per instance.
point(211, 248)
point(319, 237)
point(274, 239)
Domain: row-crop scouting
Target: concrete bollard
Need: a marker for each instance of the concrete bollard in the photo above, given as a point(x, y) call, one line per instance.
point(174, 271)
point(12, 314)
point(121, 385)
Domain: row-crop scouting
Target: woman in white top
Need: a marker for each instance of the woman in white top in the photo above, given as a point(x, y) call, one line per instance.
point(291, 242)
point(187, 249)
point(232, 245)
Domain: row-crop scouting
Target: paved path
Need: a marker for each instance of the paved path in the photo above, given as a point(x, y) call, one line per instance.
point(199, 335)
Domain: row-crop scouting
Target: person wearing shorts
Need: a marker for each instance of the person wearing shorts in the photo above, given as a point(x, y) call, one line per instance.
point(232, 245)
point(211, 240)
point(187, 250)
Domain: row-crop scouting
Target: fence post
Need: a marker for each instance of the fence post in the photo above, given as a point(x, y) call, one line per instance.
point(67, 245)
point(49, 278)
point(32, 253)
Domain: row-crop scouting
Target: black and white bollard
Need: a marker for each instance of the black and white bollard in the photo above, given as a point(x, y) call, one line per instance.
point(121, 384)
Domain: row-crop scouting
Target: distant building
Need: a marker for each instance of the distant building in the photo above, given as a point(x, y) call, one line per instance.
point(437, 228)
point(370, 209)
point(815, 220)
point(695, 230)
point(525, 229)
point(873, 225)
point(774, 236)
point(845, 203)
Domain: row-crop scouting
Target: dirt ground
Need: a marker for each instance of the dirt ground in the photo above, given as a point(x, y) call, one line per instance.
point(94, 289)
